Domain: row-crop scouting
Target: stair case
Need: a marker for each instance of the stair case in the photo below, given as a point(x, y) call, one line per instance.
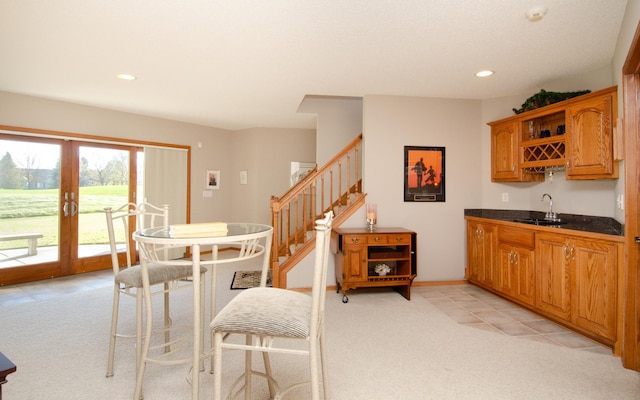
point(337, 186)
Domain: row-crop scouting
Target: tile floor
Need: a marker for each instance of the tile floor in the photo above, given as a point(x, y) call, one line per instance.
point(466, 304)
point(472, 306)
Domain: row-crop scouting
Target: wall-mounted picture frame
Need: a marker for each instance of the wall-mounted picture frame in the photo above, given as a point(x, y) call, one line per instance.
point(424, 174)
point(212, 179)
point(299, 170)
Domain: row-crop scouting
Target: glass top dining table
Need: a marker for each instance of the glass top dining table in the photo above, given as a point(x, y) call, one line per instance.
point(250, 239)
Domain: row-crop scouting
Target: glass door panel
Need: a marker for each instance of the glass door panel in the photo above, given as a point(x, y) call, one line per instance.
point(52, 198)
point(104, 182)
point(104, 176)
point(29, 206)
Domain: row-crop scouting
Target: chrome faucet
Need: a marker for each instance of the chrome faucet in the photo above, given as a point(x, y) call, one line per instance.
point(550, 215)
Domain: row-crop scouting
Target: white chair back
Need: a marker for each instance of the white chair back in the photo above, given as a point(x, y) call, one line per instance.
point(119, 234)
point(319, 290)
point(119, 221)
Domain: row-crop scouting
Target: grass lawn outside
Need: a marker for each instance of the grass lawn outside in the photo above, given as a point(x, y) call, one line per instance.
point(29, 211)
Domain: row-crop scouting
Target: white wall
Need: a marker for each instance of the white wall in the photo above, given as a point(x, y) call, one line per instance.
point(219, 149)
point(266, 154)
point(626, 35)
point(591, 197)
point(390, 123)
point(339, 121)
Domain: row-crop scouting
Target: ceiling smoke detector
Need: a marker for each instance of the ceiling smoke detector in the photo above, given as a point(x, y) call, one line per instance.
point(536, 14)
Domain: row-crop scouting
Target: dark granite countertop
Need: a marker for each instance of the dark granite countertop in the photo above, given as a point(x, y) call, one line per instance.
point(585, 223)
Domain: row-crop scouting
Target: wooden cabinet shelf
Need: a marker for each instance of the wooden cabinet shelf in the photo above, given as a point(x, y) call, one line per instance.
point(547, 152)
point(358, 251)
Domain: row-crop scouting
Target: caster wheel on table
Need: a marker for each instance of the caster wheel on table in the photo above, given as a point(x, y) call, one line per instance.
point(345, 299)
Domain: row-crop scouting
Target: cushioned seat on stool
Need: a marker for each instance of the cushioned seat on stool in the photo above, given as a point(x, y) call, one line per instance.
point(128, 277)
point(264, 313)
point(157, 274)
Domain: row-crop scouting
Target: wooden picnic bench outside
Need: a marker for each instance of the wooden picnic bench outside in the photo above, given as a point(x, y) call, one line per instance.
point(31, 237)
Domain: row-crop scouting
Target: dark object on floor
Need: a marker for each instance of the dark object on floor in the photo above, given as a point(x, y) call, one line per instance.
point(6, 367)
point(248, 279)
point(544, 98)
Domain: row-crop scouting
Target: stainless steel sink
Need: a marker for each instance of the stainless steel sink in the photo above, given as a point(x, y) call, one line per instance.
point(542, 222)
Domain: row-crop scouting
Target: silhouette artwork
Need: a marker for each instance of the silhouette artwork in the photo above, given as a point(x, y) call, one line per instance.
point(419, 170)
point(424, 175)
point(431, 176)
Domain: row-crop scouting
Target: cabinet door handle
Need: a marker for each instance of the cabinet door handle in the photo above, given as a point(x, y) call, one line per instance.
point(355, 240)
point(568, 252)
point(515, 257)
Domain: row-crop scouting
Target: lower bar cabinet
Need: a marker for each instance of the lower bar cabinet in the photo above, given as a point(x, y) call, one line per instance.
point(384, 257)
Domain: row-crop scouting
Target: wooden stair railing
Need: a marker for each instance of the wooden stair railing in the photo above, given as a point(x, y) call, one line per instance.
point(336, 186)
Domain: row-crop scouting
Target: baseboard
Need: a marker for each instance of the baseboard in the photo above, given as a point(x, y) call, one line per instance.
point(439, 283)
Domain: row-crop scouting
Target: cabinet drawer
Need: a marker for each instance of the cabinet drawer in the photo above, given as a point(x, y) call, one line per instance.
point(351, 240)
point(391, 239)
point(400, 239)
point(516, 236)
point(377, 239)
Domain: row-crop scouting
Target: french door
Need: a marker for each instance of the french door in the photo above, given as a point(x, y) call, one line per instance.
point(52, 198)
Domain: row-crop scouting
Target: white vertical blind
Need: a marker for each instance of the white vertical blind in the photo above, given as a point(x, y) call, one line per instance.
point(165, 182)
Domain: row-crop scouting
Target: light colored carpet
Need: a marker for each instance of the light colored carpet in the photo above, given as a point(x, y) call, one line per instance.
point(380, 347)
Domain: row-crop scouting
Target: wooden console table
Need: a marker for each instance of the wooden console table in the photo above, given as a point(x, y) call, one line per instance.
point(358, 251)
point(6, 368)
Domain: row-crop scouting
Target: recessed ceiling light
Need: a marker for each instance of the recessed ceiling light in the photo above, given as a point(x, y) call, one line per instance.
point(126, 77)
point(484, 74)
point(536, 14)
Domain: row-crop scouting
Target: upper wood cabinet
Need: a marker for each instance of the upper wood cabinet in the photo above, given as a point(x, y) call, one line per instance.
point(576, 134)
point(505, 166)
point(590, 139)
